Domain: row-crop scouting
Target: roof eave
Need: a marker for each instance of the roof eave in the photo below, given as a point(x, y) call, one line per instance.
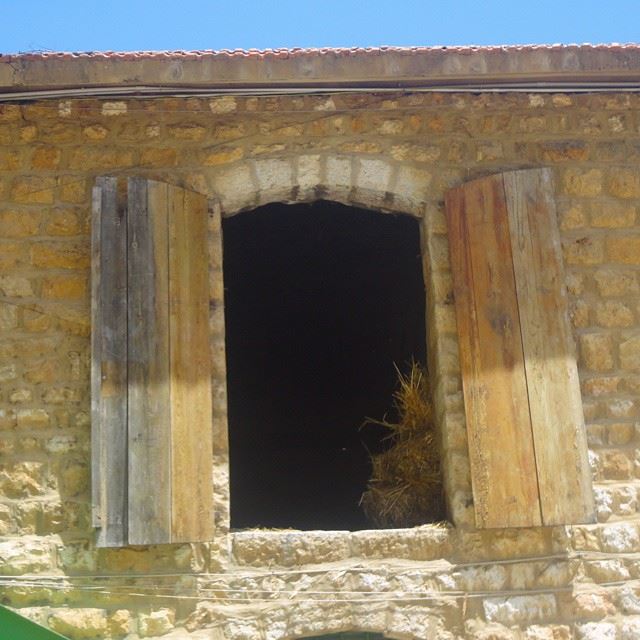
point(555, 66)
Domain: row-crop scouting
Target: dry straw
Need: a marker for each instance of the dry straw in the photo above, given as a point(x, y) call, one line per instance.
point(405, 488)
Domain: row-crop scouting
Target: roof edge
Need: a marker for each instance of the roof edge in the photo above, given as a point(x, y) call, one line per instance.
point(390, 67)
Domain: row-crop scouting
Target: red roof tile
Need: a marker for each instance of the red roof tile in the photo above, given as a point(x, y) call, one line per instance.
point(309, 52)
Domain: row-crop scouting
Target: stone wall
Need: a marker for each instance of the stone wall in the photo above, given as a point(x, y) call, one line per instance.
point(386, 152)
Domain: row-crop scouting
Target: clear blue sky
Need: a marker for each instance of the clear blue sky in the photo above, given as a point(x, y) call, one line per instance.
point(85, 25)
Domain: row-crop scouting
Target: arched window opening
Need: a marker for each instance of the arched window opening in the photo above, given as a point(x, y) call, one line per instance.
point(322, 302)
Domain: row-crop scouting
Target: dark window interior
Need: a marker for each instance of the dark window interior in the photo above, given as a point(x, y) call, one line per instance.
point(321, 301)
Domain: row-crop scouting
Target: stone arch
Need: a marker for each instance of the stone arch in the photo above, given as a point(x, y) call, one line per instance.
point(378, 184)
point(388, 186)
point(331, 618)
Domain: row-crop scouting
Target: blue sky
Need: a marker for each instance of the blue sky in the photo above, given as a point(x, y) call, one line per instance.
point(82, 25)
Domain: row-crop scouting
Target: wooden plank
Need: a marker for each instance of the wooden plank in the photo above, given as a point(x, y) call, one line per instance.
point(149, 410)
point(555, 402)
point(109, 363)
point(494, 386)
point(191, 408)
point(96, 358)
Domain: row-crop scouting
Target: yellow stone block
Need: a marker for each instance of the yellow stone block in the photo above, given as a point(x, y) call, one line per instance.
point(33, 189)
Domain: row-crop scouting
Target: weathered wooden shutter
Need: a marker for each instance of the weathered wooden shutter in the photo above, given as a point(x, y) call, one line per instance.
point(151, 366)
point(525, 424)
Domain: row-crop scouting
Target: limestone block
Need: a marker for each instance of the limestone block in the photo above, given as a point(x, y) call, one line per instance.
point(190, 132)
point(572, 215)
point(242, 629)
point(604, 503)
point(630, 353)
point(117, 108)
point(19, 224)
point(484, 578)
point(25, 555)
point(74, 478)
point(583, 182)
point(223, 104)
point(629, 600)
point(338, 174)
point(584, 251)
point(616, 282)
point(308, 174)
point(315, 547)
point(593, 605)
point(630, 628)
point(622, 432)
point(624, 249)
point(619, 537)
point(373, 175)
point(15, 286)
point(8, 317)
point(221, 155)
point(596, 350)
point(7, 520)
point(275, 179)
point(616, 465)
point(479, 630)
point(412, 187)
point(33, 190)
point(416, 622)
point(21, 395)
point(579, 314)
point(79, 623)
point(419, 543)
point(95, 132)
point(102, 159)
point(60, 256)
point(120, 623)
point(613, 215)
point(520, 609)
point(320, 618)
point(235, 187)
point(625, 501)
point(614, 314)
point(624, 183)
point(553, 574)
point(596, 631)
point(157, 622)
point(550, 632)
point(275, 623)
point(158, 157)
point(22, 479)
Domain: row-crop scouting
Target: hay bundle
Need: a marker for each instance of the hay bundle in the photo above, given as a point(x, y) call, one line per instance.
point(405, 488)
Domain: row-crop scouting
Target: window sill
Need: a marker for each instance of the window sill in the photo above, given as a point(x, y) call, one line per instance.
point(287, 548)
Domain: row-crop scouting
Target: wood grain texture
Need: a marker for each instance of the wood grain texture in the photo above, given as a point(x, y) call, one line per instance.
point(191, 406)
point(494, 385)
point(96, 356)
point(149, 407)
point(555, 402)
point(109, 364)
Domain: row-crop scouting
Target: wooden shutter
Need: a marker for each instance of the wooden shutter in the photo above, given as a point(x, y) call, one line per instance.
point(525, 424)
point(151, 368)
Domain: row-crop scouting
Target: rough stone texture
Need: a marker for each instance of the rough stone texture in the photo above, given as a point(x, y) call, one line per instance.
point(79, 623)
point(157, 623)
point(392, 153)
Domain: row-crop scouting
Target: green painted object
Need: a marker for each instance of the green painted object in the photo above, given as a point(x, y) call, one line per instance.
point(13, 626)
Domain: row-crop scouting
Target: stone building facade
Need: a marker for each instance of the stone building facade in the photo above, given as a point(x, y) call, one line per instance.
point(387, 130)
